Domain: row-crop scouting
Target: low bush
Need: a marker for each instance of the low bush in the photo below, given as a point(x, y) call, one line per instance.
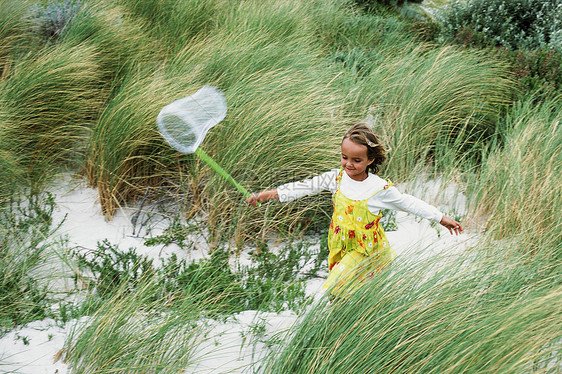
point(512, 24)
point(370, 5)
point(49, 20)
point(24, 224)
point(525, 33)
point(263, 285)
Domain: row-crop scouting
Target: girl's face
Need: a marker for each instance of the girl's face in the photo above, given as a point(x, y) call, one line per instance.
point(354, 159)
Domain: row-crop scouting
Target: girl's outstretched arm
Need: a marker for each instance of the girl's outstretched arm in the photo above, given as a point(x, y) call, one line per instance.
point(453, 226)
point(262, 196)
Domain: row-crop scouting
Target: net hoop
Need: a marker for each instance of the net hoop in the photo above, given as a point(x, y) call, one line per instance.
point(185, 122)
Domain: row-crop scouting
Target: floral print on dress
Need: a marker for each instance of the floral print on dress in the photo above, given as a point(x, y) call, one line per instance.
point(355, 229)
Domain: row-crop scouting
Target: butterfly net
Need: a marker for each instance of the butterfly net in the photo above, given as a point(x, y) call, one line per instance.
point(185, 122)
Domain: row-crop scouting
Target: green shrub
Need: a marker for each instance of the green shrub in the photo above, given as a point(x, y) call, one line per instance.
point(512, 24)
point(370, 5)
point(49, 20)
point(263, 285)
point(113, 269)
point(538, 69)
point(24, 225)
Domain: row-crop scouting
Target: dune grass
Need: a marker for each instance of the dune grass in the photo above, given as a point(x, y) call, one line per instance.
point(125, 151)
point(435, 107)
point(259, 52)
point(119, 43)
point(519, 190)
point(476, 312)
point(48, 104)
point(172, 24)
point(255, 72)
point(133, 331)
point(12, 30)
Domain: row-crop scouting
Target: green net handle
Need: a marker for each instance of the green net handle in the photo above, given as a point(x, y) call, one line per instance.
point(216, 167)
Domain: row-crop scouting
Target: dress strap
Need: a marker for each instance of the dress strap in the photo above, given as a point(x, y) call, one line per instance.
point(386, 187)
point(338, 178)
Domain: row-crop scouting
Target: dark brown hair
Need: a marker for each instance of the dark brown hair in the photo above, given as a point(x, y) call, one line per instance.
point(361, 133)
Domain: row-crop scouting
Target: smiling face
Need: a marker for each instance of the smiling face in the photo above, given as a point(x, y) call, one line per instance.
point(354, 159)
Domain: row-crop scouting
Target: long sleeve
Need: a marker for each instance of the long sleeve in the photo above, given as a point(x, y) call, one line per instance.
point(391, 198)
point(372, 189)
point(311, 186)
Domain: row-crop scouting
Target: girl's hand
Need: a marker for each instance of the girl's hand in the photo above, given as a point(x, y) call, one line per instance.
point(452, 225)
point(260, 197)
point(253, 199)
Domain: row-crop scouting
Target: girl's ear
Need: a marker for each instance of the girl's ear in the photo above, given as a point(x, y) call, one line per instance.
point(371, 161)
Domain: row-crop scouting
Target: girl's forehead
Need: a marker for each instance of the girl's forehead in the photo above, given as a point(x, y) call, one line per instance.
point(352, 149)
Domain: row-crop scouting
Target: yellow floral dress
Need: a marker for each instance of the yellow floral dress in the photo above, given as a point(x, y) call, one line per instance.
point(355, 238)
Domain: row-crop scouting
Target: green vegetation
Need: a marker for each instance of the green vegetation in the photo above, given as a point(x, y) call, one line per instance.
point(462, 97)
point(472, 313)
point(519, 190)
point(526, 33)
point(24, 223)
point(264, 285)
point(512, 24)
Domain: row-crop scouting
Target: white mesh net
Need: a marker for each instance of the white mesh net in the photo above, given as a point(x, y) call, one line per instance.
point(185, 122)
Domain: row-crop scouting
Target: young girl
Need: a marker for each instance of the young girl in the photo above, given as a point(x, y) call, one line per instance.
point(359, 194)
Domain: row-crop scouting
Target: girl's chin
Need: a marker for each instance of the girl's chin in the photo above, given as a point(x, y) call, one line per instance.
point(354, 174)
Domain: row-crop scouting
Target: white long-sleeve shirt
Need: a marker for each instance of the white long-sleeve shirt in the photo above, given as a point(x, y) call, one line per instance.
point(389, 198)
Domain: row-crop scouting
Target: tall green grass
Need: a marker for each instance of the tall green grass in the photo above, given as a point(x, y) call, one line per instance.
point(296, 74)
point(435, 108)
point(289, 106)
point(268, 137)
point(12, 31)
point(125, 152)
point(519, 190)
point(134, 332)
point(289, 99)
point(119, 43)
point(257, 143)
point(48, 105)
point(479, 311)
point(172, 24)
